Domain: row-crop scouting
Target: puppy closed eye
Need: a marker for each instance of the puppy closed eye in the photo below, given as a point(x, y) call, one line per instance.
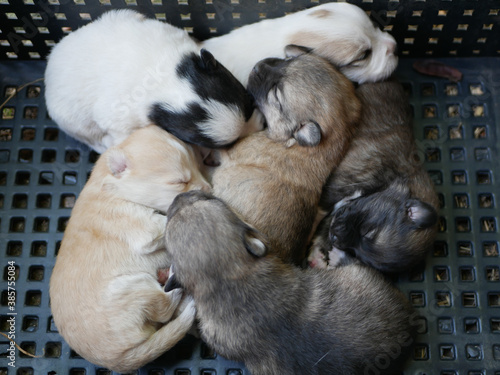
point(182, 182)
point(274, 95)
point(276, 92)
point(362, 56)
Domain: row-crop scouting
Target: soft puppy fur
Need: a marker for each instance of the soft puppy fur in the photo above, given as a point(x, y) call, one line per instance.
point(274, 178)
point(124, 71)
point(105, 296)
point(277, 318)
point(384, 203)
point(339, 32)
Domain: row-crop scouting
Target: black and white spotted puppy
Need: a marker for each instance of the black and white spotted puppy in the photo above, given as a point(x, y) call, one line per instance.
point(124, 71)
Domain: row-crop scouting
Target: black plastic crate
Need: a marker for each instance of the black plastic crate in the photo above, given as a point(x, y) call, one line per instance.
point(457, 296)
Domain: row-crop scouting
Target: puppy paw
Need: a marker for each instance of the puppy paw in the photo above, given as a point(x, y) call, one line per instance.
point(175, 297)
point(189, 312)
point(316, 258)
point(290, 142)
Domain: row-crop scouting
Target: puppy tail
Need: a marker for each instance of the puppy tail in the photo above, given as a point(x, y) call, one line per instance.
point(162, 340)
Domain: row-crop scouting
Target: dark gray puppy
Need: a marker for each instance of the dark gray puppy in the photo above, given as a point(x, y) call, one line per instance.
point(383, 204)
point(275, 317)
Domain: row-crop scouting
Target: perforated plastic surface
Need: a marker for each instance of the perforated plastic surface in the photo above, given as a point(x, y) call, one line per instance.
point(441, 28)
point(42, 172)
point(457, 295)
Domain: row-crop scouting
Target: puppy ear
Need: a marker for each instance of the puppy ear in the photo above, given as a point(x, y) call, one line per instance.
point(421, 214)
point(118, 162)
point(293, 50)
point(208, 60)
point(309, 134)
point(255, 243)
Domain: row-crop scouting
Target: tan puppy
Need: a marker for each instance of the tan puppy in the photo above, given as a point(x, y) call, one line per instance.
point(276, 187)
point(106, 300)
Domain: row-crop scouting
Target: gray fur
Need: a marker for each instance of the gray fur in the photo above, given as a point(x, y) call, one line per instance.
point(393, 223)
point(277, 318)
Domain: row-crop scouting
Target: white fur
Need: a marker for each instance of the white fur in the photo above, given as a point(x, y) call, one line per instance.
point(102, 79)
point(335, 256)
point(224, 116)
point(316, 258)
point(330, 29)
point(106, 298)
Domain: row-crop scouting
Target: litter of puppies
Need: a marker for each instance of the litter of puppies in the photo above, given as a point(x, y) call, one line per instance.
point(217, 166)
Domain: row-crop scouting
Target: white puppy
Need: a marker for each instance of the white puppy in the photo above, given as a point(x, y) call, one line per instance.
point(105, 296)
point(339, 32)
point(124, 71)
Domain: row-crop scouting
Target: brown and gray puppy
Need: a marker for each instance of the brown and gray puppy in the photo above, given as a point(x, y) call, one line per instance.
point(277, 318)
point(274, 178)
point(105, 296)
point(384, 207)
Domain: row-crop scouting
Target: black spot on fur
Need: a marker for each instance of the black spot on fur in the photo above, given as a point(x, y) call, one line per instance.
point(183, 124)
point(211, 80)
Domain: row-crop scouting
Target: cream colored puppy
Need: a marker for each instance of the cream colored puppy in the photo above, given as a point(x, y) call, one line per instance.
point(106, 300)
point(339, 32)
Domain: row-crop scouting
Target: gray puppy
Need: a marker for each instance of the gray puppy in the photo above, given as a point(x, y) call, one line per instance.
point(383, 204)
point(275, 317)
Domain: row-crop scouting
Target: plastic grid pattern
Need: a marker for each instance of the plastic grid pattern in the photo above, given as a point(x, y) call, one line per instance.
point(440, 28)
point(457, 295)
